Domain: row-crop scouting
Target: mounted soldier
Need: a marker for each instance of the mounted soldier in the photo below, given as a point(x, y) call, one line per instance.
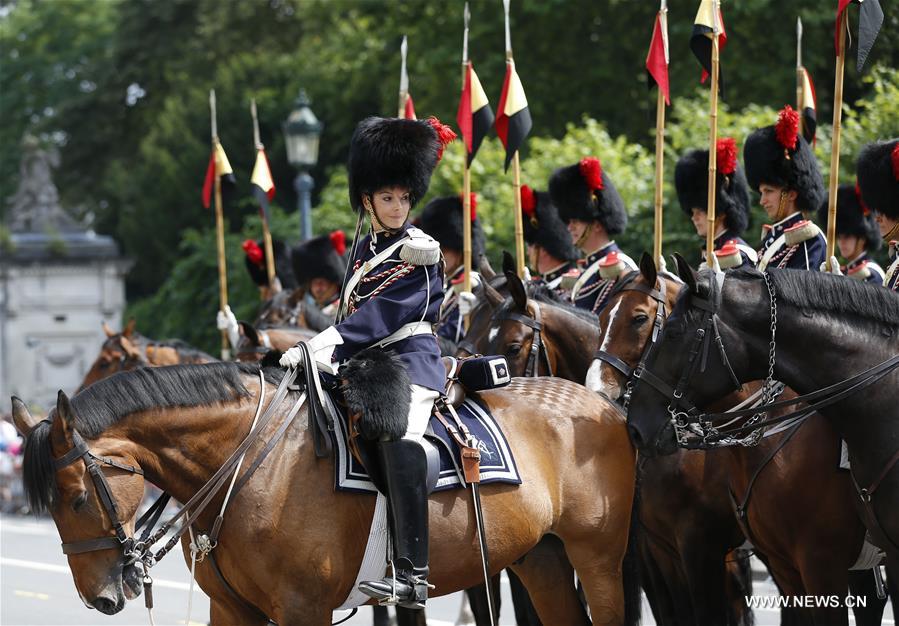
point(442, 219)
point(319, 265)
point(691, 175)
point(781, 166)
point(552, 254)
point(857, 235)
point(392, 300)
point(878, 179)
point(594, 212)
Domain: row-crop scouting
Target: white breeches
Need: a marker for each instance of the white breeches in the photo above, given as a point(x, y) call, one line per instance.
point(420, 412)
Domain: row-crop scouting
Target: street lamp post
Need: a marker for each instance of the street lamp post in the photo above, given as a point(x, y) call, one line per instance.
point(302, 131)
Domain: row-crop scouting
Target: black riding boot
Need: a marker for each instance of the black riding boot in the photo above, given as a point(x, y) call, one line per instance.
point(405, 467)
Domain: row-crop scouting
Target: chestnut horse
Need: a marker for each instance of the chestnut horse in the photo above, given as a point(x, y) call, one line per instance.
point(808, 538)
point(290, 545)
point(129, 349)
point(682, 510)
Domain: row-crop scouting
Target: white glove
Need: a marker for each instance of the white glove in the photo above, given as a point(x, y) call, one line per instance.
point(662, 266)
point(322, 346)
point(834, 267)
point(225, 320)
point(715, 266)
point(527, 275)
point(475, 280)
point(467, 302)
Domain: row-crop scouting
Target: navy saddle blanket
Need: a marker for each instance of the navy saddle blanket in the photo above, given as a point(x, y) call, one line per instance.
point(497, 463)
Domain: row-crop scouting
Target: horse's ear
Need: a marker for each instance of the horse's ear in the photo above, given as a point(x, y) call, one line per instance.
point(130, 349)
point(686, 273)
point(508, 263)
point(516, 288)
point(107, 330)
point(648, 268)
point(65, 417)
point(248, 331)
point(485, 268)
point(22, 417)
point(129, 329)
point(296, 296)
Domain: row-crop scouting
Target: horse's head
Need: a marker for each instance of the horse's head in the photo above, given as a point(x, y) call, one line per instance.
point(86, 494)
point(687, 367)
point(284, 308)
point(121, 351)
point(634, 311)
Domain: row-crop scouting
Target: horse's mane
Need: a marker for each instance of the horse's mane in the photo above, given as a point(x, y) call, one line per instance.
point(110, 400)
point(541, 293)
point(824, 292)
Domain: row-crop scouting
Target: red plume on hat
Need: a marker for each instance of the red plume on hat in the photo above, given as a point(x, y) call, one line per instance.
point(591, 170)
point(787, 128)
point(338, 241)
point(253, 252)
point(894, 156)
point(726, 155)
point(528, 202)
point(444, 133)
point(861, 202)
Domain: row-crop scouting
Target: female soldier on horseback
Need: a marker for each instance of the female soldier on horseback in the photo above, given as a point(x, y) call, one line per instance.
point(392, 300)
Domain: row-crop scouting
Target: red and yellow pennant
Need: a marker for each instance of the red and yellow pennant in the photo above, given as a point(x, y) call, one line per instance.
point(513, 124)
point(220, 167)
point(474, 116)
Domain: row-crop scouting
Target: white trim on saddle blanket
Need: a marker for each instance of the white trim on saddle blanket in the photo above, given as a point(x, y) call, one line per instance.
point(374, 562)
point(497, 462)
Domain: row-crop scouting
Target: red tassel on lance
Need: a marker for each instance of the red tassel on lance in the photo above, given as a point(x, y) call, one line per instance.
point(445, 134)
point(591, 170)
point(787, 128)
point(338, 241)
point(726, 155)
point(895, 158)
point(528, 202)
point(253, 252)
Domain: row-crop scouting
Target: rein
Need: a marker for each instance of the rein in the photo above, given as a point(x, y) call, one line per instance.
point(538, 346)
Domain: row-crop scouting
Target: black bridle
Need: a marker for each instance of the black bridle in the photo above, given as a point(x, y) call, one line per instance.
point(538, 346)
point(659, 295)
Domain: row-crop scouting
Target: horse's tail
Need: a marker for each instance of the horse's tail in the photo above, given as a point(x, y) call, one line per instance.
point(630, 567)
point(738, 582)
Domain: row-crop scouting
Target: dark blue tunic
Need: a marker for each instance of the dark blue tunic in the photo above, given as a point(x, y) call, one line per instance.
point(808, 254)
point(592, 293)
point(891, 281)
point(450, 326)
point(745, 248)
point(391, 295)
point(862, 262)
point(553, 280)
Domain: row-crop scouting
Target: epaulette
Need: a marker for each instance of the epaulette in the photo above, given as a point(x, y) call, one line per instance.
point(569, 278)
point(859, 272)
point(611, 266)
point(420, 248)
point(729, 255)
point(802, 231)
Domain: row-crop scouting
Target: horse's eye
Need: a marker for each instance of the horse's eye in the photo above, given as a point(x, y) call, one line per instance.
point(80, 501)
point(640, 319)
point(513, 349)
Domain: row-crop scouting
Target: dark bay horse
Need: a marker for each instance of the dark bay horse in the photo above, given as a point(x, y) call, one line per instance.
point(291, 545)
point(786, 522)
point(682, 508)
point(129, 349)
point(256, 342)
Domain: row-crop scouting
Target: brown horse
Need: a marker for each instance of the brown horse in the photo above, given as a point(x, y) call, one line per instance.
point(682, 507)
point(129, 349)
point(256, 342)
point(291, 546)
point(809, 538)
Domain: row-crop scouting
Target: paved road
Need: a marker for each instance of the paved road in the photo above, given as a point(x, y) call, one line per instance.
point(36, 588)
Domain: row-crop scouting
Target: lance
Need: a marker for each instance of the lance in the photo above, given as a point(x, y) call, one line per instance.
point(466, 175)
point(660, 145)
point(516, 167)
point(266, 232)
point(800, 74)
point(404, 80)
point(713, 137)
point(835, 147)
point(219, 225)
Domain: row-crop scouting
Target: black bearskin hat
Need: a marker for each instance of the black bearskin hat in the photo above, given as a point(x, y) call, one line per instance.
point(778, 155)
point(878, 177)
point(254, 258)
point(442, 219)
point(544, 227)
point(691, 175)
point(584, 191)
point(853, 218)
point(321, 257)
point(393, 151)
